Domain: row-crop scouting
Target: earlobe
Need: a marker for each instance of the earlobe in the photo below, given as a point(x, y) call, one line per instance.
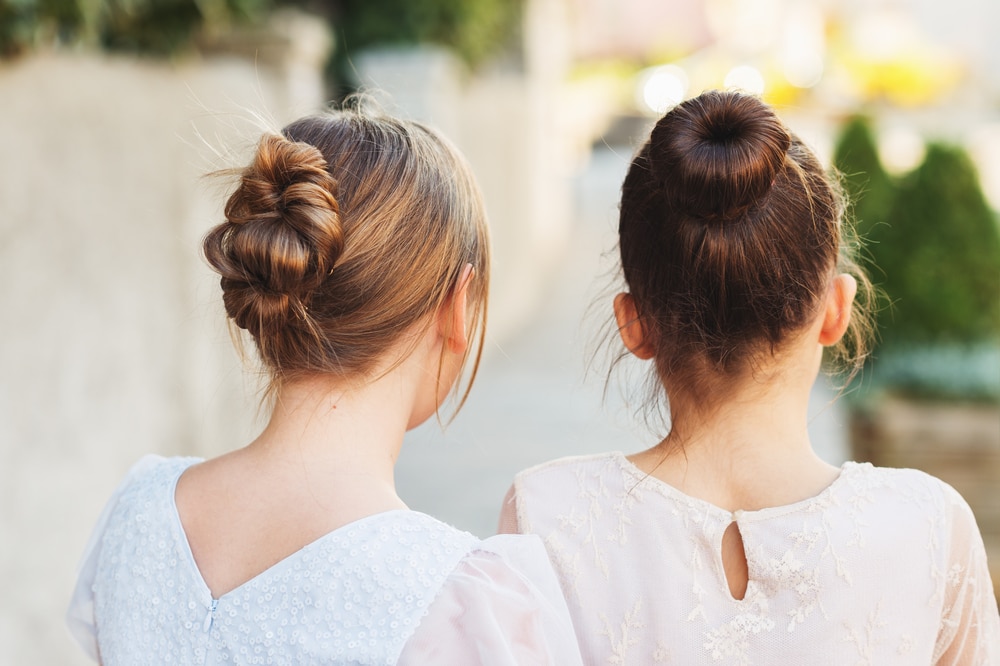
point(630, 327)
point(452, 321)
point(837, 315)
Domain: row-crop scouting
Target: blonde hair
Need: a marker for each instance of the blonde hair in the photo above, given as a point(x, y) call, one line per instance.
point(345, 232)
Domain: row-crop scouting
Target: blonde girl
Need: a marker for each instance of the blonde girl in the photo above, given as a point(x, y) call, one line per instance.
point(355, 254)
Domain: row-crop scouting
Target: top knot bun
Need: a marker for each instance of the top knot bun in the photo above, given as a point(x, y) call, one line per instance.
point(282, 236)
point(718, 154)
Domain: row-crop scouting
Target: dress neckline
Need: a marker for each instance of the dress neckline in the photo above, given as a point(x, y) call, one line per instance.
point(175, 518)
point(847, 469)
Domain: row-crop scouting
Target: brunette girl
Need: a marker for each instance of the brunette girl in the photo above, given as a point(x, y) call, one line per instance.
point(355, 253)
point(729, 541)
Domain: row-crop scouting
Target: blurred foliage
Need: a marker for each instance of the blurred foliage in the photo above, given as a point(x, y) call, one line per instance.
point(474, 29)
point(22, 22)
point(163, 27)
point(869, 187)
point(970, 373)
point(940, 252)
point(934, 248)
point(158, 27)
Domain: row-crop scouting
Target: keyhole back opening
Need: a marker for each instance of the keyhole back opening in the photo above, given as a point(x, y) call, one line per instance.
point(734, 561)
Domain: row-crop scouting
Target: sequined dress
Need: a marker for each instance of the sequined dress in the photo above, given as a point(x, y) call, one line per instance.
point(885, 566)
point(398, 587)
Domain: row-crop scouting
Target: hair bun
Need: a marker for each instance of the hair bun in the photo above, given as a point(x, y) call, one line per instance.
point(718, 154)
point(282, 234)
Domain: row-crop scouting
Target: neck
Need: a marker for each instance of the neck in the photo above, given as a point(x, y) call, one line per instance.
point(749, 451)
point(337, 440)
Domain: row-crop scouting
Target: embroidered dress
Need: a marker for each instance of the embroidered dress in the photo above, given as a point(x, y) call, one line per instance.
point(885, 566)
point(398, 587)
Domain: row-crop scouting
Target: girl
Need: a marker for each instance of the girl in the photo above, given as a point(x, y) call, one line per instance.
point(355, 253)
point(730, 541)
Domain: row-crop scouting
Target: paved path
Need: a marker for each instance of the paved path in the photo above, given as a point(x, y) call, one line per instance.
point(533, 400)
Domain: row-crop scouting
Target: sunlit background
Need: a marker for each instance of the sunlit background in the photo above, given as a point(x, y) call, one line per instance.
point(113, 339)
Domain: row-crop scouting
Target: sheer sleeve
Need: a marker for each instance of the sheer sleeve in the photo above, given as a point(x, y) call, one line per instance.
point(80, 614)
point(970, 626)
point(501, 606)
point(508, 514)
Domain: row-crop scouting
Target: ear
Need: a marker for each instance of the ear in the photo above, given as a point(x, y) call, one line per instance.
point(630, 327)
point(452, 317)
point(837, 314)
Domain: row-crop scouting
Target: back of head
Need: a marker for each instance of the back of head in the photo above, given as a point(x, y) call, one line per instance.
point(344, 232)
point(729, 234)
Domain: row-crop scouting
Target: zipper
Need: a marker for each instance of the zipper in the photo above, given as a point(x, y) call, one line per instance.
point(211, 615)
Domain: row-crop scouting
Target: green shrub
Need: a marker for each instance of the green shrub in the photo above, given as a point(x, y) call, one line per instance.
point(160, 27)
point(22, 22)
point(932, 246)
point(474, 29)
point(868, 186)
point(938, 256)
point(163, 27)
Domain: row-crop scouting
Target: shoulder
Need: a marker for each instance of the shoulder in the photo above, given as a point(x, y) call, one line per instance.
point(511, 562)
point(149, 474)
point(422, 529)
point(913, 497)
point(153, 467)
point(523, 561)
point(504, 600)
point(562, 488)
point(143, 503)
point(418, 550)
point(573, 467)
point(523, 555)
point(133, 494)
point(903, 486)
point(412, 545)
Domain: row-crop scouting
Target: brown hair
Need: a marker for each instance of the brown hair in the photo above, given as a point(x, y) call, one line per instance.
point(344, 232)
point(729, 233)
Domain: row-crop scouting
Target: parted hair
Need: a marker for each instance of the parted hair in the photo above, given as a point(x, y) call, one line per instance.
point(730, 231)
point(345, 231)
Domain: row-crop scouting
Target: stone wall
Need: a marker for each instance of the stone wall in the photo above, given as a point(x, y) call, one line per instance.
point(113, 342)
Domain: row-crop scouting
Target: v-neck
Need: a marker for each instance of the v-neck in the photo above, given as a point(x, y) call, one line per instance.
point(273, 569)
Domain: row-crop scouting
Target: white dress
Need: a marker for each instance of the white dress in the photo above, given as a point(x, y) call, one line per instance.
point(397, 587)
point(885, 566)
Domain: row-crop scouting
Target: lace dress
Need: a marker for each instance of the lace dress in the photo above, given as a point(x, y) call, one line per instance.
point(885, 566)
point(394, 588)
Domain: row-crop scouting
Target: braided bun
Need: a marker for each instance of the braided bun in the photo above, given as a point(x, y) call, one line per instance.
point(344, 236)
point(281, 238)
point(717, 155)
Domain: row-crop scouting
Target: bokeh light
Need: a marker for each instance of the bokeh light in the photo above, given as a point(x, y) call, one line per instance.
point(900, 148)
point(745, 78)
point(802, 46)
point(661, 88)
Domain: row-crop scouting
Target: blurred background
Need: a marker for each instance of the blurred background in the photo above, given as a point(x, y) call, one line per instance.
point(113, 342)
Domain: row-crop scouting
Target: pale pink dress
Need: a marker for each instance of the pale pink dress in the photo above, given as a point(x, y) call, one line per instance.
point(885, 566)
